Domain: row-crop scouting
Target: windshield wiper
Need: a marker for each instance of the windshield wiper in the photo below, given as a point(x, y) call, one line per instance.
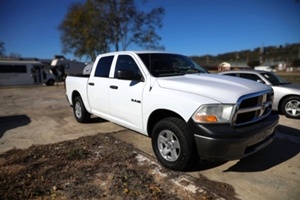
point(192, 71)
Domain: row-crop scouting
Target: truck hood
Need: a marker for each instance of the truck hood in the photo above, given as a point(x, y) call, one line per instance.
point(224, 89)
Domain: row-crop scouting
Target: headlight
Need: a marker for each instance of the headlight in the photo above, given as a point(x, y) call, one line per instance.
point(214, 114)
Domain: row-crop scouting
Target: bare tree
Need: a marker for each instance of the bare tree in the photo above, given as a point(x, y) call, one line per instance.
point(98, 26)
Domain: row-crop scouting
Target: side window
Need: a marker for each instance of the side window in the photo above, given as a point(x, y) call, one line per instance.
point(232, 74)
point(13, 69)
point(252, 77)
point(103, 66)
point(127, 63)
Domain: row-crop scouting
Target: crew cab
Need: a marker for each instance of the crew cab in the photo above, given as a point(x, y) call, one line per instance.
point(187, 112)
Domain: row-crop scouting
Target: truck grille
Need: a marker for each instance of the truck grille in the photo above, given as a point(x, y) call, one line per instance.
point(253, 107)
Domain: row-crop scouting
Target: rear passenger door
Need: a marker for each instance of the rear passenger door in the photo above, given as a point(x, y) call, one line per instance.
point(98, 87)
point(125, 96)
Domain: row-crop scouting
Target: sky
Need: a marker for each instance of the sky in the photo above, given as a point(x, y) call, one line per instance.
point(29, 28)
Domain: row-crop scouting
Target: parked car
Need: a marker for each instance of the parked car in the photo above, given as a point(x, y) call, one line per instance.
point(286, 95)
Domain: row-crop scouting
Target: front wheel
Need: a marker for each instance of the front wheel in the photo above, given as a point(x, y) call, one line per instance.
point(290, 107)
point(172, 143)
point(80, 112)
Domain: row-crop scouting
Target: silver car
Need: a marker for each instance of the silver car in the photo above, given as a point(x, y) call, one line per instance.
point(286, 95)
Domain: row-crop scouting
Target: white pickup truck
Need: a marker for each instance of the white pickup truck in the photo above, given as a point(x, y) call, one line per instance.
point(188, 113)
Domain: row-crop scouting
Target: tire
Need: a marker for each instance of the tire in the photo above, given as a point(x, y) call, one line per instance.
point(290, 107)
point(173, 143)
point(79, 110)
point(50, 82)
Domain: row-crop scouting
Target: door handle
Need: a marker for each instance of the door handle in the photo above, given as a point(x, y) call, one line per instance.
point(114, 87)
point(92, 84)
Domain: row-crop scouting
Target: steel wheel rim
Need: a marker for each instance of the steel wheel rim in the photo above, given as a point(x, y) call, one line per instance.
point(168, 145)
point(78, 110)
point(292, 107)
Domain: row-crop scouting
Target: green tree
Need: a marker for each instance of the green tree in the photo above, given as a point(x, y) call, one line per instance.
point(253, 63)
point(296, 63)
point(81, 33)
point(100, 25)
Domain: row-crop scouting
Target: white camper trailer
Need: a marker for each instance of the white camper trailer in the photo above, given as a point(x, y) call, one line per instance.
point(22, 72)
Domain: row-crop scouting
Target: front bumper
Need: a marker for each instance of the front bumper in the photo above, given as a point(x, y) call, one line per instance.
point(224, 142)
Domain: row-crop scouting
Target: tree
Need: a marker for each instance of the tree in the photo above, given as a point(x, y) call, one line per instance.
point(100, 25)
point(14, 55)
point(81, 32)
point(2, 49)
point(296, 63)
point(253, 63)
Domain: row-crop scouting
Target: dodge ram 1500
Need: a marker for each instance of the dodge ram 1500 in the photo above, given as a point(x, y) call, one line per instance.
point(187, 112)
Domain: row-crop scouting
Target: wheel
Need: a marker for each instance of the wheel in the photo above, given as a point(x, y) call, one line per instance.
point(290, 107)
point(50, 82)
point(80, 113)
point(173, 143)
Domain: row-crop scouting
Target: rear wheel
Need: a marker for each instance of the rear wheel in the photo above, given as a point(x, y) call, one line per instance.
point(290, 107)
point(80, 112)
point(50, 82)
point(173, 143)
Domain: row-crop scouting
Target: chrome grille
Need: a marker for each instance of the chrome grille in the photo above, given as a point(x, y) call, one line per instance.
point(253, 107)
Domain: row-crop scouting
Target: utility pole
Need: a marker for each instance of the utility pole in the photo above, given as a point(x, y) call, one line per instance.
point(261, 53)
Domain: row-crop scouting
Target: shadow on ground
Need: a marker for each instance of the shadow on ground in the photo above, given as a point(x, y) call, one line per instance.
point(11, 122)
point(285, 146)
point(95, 120)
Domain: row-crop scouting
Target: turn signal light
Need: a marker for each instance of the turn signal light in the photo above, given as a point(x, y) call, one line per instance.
point(206, 118)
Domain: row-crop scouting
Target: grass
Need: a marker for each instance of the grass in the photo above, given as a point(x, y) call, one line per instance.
point(292, 77)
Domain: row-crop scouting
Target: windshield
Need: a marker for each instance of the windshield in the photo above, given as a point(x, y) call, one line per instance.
point(274, 79)
point(164, 64)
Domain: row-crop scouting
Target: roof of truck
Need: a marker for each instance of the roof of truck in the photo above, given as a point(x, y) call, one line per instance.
point(136, 52)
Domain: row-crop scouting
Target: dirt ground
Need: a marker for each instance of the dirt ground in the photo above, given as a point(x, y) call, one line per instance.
point(97, 166)
point(94, 167)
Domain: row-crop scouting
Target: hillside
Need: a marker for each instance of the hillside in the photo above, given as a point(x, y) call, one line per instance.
point(271, 55)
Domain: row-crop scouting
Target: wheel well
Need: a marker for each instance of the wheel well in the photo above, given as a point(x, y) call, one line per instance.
point(74, 95)
point(283, 98)
point(158, 115)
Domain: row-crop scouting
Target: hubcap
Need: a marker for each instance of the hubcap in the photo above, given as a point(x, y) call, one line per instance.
point(78, 110)
point(293, 108)
point(168, 145)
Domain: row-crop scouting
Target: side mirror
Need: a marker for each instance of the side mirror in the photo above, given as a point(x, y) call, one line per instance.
point(260, 81)
point(128, 75)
